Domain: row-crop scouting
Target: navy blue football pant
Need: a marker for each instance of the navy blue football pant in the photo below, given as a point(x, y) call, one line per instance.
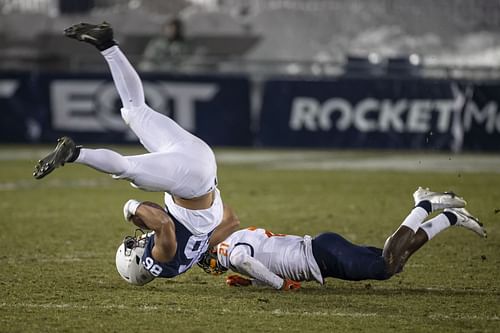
point(339, 258)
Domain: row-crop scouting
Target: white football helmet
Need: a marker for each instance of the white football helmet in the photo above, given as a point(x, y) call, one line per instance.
point(129, 260)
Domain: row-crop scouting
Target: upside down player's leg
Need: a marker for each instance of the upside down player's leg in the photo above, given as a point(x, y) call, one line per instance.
point(181, 163)
point(185, 165)
point(339, 258)
point(156, 131)
point(155, 171)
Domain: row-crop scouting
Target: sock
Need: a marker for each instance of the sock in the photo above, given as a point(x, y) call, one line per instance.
point(435, 225)
point(415, 218)
point(104, 160)
point(426, 204)
point(451, 217)
point(75, 154)
point(106, 45)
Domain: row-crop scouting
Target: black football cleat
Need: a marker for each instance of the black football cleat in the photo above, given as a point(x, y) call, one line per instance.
point(65, 151)
point(99, 35)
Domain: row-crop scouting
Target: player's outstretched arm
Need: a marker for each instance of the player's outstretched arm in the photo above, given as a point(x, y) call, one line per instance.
point(148, 215)
point(230, 223)
point(244, 263)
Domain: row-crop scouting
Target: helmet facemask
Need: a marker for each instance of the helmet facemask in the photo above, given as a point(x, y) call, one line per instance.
point(210, 264)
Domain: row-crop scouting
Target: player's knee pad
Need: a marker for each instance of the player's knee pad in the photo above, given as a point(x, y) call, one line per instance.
point(135, 114)
point(125, 115)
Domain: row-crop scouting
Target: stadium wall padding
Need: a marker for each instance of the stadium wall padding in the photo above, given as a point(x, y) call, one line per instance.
point(408, 113)
point(41, 108)
point(393, 113)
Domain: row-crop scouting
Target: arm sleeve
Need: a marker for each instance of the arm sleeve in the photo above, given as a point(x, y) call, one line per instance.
point(244, 263)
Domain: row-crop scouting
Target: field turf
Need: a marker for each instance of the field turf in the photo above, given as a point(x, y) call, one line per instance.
point(59, 236)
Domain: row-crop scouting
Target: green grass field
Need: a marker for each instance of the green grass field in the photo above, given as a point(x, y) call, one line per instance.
point(59, 237)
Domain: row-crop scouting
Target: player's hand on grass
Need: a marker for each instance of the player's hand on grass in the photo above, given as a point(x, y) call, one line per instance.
point(237, 281)
point(290, 285)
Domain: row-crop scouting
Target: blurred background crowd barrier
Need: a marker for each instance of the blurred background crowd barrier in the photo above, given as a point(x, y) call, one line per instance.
point(273, 73)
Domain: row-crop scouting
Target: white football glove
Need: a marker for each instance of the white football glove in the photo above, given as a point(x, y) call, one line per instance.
point(130, 208)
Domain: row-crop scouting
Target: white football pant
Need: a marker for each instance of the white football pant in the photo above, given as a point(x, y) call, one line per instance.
point(178, 162)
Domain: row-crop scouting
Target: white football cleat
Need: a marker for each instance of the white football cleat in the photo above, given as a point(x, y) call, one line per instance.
point(439, 200)
point(467, 220)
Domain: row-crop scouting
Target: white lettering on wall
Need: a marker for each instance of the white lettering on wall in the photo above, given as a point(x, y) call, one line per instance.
point(73, 105)
point(92, 105)
point(371, 115)
point(184, 96)
point(487, 115)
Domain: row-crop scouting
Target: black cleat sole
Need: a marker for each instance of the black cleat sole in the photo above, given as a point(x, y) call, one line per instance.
point(62, 153)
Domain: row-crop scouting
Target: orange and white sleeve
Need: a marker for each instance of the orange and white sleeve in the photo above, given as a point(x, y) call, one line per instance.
point(242, 262)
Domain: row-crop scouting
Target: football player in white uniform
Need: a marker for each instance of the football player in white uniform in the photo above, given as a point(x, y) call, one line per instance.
point(178, 163)
point(281, 261)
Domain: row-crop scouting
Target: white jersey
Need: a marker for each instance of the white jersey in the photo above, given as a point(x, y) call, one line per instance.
point(288, 256)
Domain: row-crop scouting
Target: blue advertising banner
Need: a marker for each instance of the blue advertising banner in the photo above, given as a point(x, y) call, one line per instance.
point(380, 113)
point(342, 113)
point(87, 107)
point(18, 105)
point(481, 117)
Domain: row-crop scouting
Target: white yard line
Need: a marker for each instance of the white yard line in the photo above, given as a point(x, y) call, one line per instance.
point(54, 183)
point(334, 160)
point(75, 306)
point(276, 312)
point(402, 163)
point(330, 160)
point(22, 154)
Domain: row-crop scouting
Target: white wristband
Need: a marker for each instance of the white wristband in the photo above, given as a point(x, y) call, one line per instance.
point(130, 208)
